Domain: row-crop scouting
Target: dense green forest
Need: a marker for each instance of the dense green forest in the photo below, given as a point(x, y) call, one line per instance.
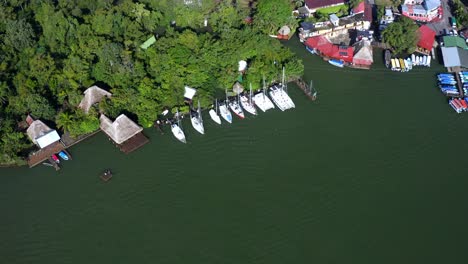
point(52, 50)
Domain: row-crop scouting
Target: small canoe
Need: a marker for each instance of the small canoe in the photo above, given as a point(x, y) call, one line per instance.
point(55, 158)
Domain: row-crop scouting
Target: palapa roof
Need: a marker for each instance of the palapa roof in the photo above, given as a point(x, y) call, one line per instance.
point(42, 135)
point(92, 96)
point(284, 30)
point(237, 88)
point(122, 129)
point(363, 53)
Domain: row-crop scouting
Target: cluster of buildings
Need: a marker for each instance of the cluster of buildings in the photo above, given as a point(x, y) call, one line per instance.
point(422, 10)
point(318, 36)
point(124, 132)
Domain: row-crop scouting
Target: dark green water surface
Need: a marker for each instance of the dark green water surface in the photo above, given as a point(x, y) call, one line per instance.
point(372, 172)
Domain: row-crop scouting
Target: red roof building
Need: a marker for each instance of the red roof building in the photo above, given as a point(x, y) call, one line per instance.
point(313, 5)
point(328, 49)
point(426, 39)
point(359, 8)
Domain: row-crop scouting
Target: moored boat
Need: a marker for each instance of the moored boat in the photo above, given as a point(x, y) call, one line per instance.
point(310, 50)
point(176, 129)
point(388, 57)
point(247, 102)
point(63, 155)
point(236, 108)
point(337, 63)
point(196, 119)
point(214, 114)
point(55, 158)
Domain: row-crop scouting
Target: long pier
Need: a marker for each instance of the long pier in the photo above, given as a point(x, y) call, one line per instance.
point(305, 88)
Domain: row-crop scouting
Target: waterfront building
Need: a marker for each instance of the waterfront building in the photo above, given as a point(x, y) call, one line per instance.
point(125, 133)
point(363, 55)
point(329, 50)
point(454, 41)
point(338, 25)
point(426, 40)
point(455, 57)
point(93, 95)
point(387, 19)
point(314, 5)
point(41, 134)
point(422, 10)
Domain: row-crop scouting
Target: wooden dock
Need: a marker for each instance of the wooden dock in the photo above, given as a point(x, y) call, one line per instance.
point(43, 154)
point(106, 176)
point(306, 89)
point(459, 85)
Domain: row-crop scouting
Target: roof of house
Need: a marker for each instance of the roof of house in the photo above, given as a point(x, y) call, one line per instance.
point(431, 4)
point(363, 53)
point(454, 56)
point(454, 41)
point(148, 42)
point(93, 95)
point(426, 37)
point(189, 92)
point(122, 129)
point(42, 135)
point(359, 8)
point(334, 18)
point(328, 49)
point(368, 12)
point(314, 4)
point(413, 9)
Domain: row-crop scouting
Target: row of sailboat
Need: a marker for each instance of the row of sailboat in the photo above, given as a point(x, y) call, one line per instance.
point(247, 102)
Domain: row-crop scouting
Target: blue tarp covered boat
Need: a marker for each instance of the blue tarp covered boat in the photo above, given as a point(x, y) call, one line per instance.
point(337, 63)
point(63, 155)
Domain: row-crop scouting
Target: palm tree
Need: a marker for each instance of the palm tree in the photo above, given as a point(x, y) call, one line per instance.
point(65, 121)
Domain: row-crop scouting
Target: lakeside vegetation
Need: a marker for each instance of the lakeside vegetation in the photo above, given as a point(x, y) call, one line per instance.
point(52, 50)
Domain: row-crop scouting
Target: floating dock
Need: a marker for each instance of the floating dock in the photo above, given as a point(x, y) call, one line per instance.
point(306, 89)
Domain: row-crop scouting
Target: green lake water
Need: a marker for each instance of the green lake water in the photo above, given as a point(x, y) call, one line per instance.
point(372, 172)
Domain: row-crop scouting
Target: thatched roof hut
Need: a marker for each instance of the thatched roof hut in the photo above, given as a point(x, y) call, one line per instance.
point(121, 130)
point(237, 88)
point(92, 96)
point(42, 135)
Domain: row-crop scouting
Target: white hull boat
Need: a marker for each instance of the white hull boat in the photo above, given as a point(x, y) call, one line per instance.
point(178, 133)
point(214, 116)
point(276, 95)
point(263, 102)
point(247, 105)
point(225, 113)
point(235, 107)
point(197, 121)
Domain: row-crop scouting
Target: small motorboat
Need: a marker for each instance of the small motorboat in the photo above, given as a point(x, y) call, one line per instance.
point(310, 50)
point(337, 63)
point(55, 158)
point(63, 155)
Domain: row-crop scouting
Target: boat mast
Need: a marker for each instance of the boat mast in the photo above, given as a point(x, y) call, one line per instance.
point(264, 88)
point(250, 94)
point(199, 111)
point(216, 105)
point(178, 119)
point(225, 91)
point(283, 84)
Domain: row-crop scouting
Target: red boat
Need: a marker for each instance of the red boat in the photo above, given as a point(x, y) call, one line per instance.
point(55, 158)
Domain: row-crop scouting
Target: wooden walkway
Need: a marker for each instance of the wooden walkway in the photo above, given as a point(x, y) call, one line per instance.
point(459, 85)
point(133, 143)
point(43, 154)
point(305, 88)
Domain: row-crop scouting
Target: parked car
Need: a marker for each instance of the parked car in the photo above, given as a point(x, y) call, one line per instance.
point(453, 22)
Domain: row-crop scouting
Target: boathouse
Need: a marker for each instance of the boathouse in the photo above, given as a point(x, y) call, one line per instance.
point(363, 55)
point(125, 133)
point(93, 95)
point(47, 139)
point(455, 57)
point(426, 40)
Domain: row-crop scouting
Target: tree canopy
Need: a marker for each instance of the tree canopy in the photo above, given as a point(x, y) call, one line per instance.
point(401, 35)
point(52, 50)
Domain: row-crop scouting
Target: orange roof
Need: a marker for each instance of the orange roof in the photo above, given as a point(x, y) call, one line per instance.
point(426, 37)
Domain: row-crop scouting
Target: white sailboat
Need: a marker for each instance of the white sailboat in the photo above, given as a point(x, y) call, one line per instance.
point(262, 101)
point(284, 89)
point(247, 103)
point(235, 107)
point(214, 113)
point(224, 111)
point(197, 121)
point(177, 129)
